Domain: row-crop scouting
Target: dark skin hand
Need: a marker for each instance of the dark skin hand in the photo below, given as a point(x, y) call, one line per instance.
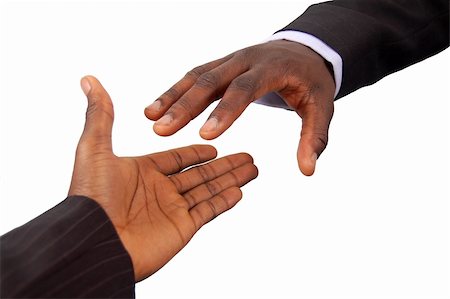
point(155, 206)
point(297, 73)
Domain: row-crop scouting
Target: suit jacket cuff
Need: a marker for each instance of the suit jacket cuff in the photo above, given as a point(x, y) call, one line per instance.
point(317, 45)
point(70, 251)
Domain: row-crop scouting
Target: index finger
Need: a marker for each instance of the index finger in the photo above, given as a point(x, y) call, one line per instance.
point(175, 160)
point(160, 106)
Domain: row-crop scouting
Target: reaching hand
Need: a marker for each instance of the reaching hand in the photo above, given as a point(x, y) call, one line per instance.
point(155, 208)
point(298, 74)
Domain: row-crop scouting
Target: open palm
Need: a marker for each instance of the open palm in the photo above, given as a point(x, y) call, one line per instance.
point(155, 206)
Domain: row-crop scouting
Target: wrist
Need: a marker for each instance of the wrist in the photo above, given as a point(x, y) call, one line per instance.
point(333, 58)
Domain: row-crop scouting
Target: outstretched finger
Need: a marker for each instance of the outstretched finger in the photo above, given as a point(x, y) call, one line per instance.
point(159, 107)
point(175, 160)
point(235, 178)
point(208, 87)
point(242, 91)
point(198, 175)
point(209, 209)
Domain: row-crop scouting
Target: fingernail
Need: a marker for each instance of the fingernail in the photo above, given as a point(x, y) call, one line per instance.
point(85, 86)
point(165, 120)
point(314, 158)
point(155, 106)
point(211, 125)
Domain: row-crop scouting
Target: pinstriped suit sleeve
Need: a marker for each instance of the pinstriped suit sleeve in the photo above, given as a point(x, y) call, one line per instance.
point(377, 37)
point(70, 251)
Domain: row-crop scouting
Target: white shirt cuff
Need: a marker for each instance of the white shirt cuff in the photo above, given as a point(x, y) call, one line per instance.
point(273, 99)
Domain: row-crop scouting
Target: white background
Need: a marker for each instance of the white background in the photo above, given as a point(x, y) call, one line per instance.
point(373, 222)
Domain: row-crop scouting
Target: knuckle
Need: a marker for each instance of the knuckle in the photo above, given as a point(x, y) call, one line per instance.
point(195, 73)
point(213, 188)
point(249, 53)
point(197, 154)
point(190, 199)
point(178, 159)
point(206, 172)
point(224, 200)
point(213, 209)
point(91, 110)
point(230, 162)
point(98, 106)
point(224, 106)
point(319, 139)
point(185, 105)
point(178, 184)
point(172, 93)
point(210, 170)
point(323, 140)
point(244, 84)
point(207, 80)
point(203, 173)
point(235, 178)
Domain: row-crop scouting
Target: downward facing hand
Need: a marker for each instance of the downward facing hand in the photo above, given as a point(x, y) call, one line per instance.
point(298, 74)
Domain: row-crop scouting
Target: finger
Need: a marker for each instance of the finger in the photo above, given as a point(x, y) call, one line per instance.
point(207, 172)
point(314, 135)
point(175, 160)
point(166, 100)
point(99, 114)
point(209, 209)
point(235, 178)
point(242, 91)
point(209, 86)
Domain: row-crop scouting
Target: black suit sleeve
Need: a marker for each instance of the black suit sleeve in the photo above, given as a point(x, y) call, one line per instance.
point(70, 251)
point(377, 37)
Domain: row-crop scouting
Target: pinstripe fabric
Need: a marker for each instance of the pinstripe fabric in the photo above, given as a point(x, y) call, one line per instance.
point(70, 251)
point(377, 37)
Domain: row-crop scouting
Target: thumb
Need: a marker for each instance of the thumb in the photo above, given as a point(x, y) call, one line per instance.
point(314, 136)
point(99, 114)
